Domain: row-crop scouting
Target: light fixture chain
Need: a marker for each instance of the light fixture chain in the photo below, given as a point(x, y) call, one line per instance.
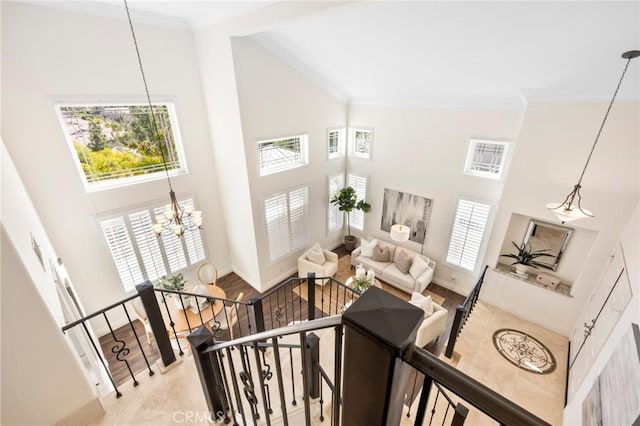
point(146, 89)
point(604, 120)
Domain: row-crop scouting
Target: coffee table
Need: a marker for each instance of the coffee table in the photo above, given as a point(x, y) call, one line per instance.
point(349, 283)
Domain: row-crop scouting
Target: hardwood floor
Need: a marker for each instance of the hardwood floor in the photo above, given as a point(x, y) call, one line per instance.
point(280, 309)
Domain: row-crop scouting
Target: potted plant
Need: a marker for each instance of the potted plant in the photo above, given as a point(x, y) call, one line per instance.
point(174, 283)
point(360, 284)
point(347, 201)
point(525, 257)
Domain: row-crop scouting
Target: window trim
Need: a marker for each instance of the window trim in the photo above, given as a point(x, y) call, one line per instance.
point(133, 180)
point(341, 142)
point(471, 150)
point(150, 206)
point(304, 151)
point(351, 142)
point(366, 192)
point(330, 206)
point(484, 242)
point(307, 212)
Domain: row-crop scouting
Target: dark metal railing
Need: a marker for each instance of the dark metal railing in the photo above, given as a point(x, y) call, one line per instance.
point(120, 348)
point(494, 405)
point(462, 313)
point(458, 410)
point(259, 383)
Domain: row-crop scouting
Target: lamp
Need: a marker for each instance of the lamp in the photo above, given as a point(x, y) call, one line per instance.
point(400, 232)
point(173, 218)
point(571, 208)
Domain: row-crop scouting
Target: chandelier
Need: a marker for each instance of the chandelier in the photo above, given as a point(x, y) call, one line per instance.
point(571, 208)
point(174, 217)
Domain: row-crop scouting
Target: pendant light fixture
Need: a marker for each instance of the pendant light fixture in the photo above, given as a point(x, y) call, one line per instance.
point(571, 208)
point(174, 218)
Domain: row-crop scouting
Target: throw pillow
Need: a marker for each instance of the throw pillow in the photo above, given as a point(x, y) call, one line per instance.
point(381, 254)
point(418, 266)
point(316, 256)
point(422, 302)
point(366, 248)
point(402, 261)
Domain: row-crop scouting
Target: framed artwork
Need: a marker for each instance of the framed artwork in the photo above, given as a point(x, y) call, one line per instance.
point(410, 210)
point(614, 398)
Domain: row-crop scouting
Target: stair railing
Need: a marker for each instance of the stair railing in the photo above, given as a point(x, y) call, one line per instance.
point(462, 314)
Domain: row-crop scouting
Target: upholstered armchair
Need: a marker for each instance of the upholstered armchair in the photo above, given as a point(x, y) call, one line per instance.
point(434, 324)
point(323, 263)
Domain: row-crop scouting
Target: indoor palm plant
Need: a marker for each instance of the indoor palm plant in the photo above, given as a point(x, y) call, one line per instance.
point(347, 201)
point(525, 257)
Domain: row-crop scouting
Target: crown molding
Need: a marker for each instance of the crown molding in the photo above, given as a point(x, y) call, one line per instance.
point(114, 11)
point(558, 95)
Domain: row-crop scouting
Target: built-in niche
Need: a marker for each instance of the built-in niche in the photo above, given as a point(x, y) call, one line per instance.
point(568, 246)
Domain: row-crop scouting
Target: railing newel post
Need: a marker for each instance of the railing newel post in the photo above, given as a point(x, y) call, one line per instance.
point(156, 322)
point(257, 314)
point(311, 295)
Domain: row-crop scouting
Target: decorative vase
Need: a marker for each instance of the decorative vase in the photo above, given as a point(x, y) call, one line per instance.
point(521, 269)
point(350, 242)
point(371, 275)
point(360, 271)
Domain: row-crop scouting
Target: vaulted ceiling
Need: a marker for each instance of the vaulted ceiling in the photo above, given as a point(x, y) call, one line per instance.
point(442, 53)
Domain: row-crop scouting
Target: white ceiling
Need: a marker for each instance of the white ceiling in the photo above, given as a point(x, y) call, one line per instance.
point(473, 54)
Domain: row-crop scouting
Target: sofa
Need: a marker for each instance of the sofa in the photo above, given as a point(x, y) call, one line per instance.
point(434, 322)
point(417, 276)
point(316, 259)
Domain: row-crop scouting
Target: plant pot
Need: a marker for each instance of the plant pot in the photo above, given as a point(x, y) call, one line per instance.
point(350, 242)
point(521, 269)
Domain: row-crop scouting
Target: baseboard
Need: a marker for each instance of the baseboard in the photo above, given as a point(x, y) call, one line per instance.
point(542, 321)
point(451, 286)
point(84, 415)
point(277, 280)
point(246, 279)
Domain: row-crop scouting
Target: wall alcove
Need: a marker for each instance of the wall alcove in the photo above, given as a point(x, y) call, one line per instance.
point(569, 246)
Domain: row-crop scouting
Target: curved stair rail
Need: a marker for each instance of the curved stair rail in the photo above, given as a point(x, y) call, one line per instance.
point(462, 313)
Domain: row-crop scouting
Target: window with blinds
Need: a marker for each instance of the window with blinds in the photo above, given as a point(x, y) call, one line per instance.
point(287, 219)
point(360, 141)
point(359, 183)
point(335, 143)
point(334, 216)
point(466, 236)
point(139, 255)
point(115, 144)
point(486, 158)
point(278, 155)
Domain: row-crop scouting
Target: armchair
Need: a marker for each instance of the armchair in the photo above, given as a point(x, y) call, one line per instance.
point(433, 325)
point(323, 263)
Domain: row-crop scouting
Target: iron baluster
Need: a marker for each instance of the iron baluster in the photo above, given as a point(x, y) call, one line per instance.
point(223, 373)
point(214, 323)
point(121, 352)
point(247, 382)
point(305, 381)
point(337, 378)
point(293, 382)
point(106, 369)
point(151, 372)
point(283, 403)
point(413, 393)
point(256, 353)
point(185, 315)
point(171, 323)
point(236, 390)
point(267, 375)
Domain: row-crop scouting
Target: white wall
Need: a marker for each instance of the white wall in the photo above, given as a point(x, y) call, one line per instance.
point(50, 54)
point(629, 239)
point(553, 145)
point(422, 151)
point(275, 101)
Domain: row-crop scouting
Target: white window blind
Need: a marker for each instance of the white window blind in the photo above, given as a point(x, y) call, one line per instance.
point(334, 216)
point(359, 183)
point(286, 216)
point(360, 141)
point(335, 140)
point(468, 230)
point(139, 255)
point(486, 158)
point(122, 252)
point(277, 155)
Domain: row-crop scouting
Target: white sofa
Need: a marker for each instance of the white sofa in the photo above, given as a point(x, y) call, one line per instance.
point(389, 273)
point(322, 268)
point(433, 325)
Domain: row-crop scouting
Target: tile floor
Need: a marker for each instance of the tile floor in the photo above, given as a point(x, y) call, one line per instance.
point(176, 396)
